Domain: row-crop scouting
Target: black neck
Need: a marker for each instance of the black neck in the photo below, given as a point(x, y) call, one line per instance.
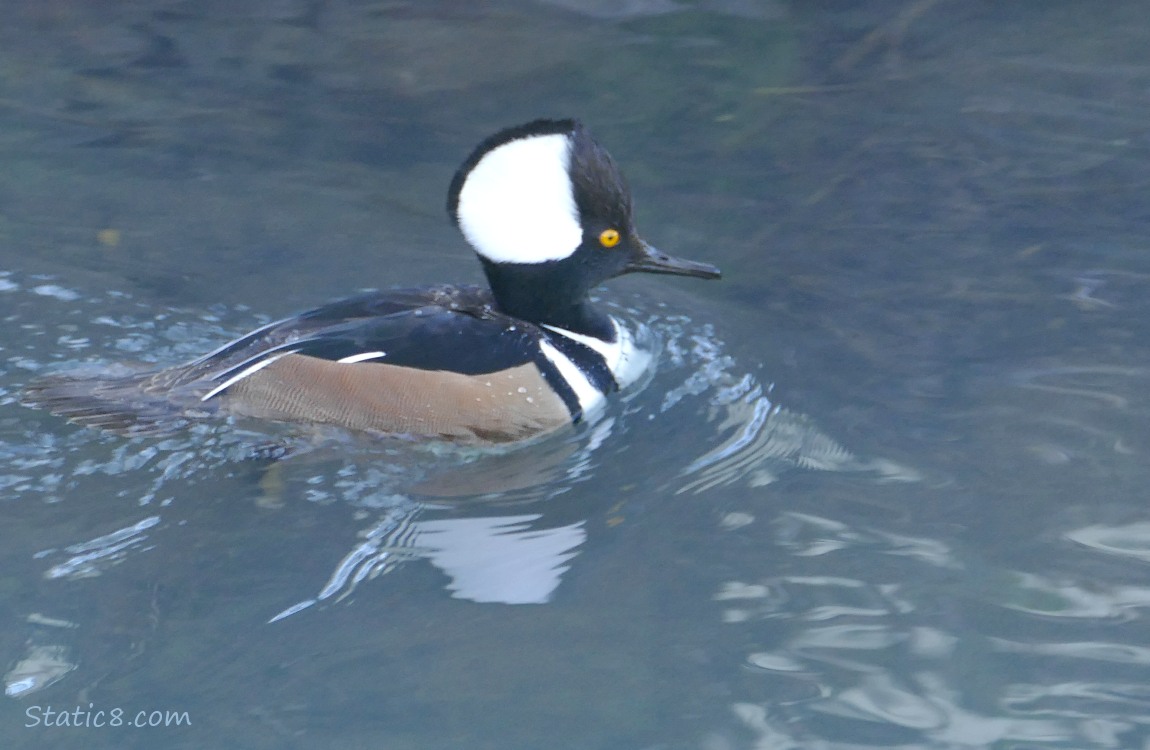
point(543, 295)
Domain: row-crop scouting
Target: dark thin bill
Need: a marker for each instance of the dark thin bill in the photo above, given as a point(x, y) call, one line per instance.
point(649, 259)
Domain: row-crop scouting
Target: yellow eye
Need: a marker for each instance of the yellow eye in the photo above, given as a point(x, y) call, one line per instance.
point(609, 238)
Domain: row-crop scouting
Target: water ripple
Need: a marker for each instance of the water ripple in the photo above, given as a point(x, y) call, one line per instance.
point(757, 439)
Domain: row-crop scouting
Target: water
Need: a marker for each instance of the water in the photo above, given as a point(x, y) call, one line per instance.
point(886, 487)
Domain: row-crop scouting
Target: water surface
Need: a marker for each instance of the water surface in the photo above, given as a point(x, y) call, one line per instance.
point(886, 487)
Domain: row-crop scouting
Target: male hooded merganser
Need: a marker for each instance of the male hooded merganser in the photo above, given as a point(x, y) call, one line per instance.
point(549, 215)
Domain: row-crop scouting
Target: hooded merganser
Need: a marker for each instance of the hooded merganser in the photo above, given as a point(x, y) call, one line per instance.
point(549, 215)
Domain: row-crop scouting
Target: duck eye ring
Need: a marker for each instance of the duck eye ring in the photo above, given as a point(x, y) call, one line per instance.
point(609, 237)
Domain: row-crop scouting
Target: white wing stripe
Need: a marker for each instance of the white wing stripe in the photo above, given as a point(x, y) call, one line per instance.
point(242, 374)
point(362, 356)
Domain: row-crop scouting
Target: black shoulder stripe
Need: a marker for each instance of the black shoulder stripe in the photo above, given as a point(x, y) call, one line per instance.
point(560, 385)
point(590, 362)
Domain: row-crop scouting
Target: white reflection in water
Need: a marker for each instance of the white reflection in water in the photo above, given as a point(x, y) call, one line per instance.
point(501, 559)
point(1130, 540)
point(933, 710)
point(1066, 598)
point(90, 558)
point(1081, 699)
point(41, 666)
point(1118, 653)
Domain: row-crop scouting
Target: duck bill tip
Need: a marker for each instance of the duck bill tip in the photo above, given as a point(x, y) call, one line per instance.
point(649, 259)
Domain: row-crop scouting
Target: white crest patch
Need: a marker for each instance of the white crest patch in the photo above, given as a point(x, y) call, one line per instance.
point(517, 204)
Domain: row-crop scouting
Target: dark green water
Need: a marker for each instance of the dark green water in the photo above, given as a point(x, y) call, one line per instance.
point(887, 488)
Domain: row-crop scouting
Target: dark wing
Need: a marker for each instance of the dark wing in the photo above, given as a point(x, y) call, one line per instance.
point(439, 328)
point(340, 316)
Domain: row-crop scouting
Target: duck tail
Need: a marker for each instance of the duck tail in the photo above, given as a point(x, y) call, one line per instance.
point(124, 404)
